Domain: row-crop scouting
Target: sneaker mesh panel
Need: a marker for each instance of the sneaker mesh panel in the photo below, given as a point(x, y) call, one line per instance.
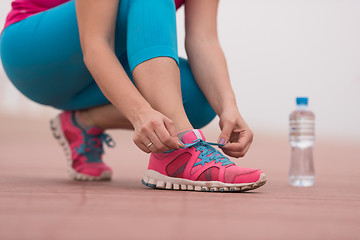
point(177, 166)
point(210, 174)
point(70, 136)
point(196, 168)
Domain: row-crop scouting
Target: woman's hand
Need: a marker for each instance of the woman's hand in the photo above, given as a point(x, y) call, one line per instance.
point(235, 134)
point(153, 127)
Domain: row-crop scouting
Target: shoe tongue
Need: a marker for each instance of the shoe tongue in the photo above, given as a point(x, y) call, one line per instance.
point(94, 131)
point(192, 135)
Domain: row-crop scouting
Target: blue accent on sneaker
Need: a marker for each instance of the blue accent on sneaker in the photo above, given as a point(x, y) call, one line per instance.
point(92, 148)
point(148, 184)
point(206, 149)
point(208, 153)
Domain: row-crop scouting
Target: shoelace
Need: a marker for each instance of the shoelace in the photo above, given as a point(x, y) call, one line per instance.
point(208, 153)
point(92, 147)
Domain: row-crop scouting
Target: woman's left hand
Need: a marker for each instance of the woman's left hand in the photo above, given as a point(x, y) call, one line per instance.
point(235, 134)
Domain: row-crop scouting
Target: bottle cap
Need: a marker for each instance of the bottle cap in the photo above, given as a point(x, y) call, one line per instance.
point(302, 101)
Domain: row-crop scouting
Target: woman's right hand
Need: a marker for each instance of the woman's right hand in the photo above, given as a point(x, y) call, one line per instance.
point(153, 127)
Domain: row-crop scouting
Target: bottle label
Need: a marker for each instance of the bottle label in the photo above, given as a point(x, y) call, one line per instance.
point(302, 128)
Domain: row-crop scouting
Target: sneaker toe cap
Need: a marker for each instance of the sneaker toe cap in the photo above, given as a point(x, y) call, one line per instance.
point(236, 174)
point(249, 177)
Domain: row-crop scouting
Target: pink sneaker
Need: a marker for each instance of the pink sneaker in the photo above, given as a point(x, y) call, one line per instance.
point(198, 166)
point(83, 148)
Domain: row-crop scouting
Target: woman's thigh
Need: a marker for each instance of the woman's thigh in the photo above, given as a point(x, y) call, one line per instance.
point(42, 57)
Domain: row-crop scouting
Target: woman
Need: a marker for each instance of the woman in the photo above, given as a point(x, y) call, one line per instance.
point(114, 64)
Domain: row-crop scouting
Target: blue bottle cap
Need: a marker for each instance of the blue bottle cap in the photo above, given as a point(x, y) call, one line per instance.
point(302, 101)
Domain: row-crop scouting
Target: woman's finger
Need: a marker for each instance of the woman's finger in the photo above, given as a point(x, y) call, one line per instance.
point(234, 147)
point(166, 139)
point(169, 125)
point(142, 146)
point(152, 148)
point(172, 130)
point(157, 145)
point(226, 131)
point(235, 154)
point(238, 149)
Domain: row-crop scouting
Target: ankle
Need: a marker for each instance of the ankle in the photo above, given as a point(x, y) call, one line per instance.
point(181, 122)
point(183, 127)
point(84, 119)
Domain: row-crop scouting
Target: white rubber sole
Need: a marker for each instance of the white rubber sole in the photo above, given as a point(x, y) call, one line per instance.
point(155, 179)
point(55, 126)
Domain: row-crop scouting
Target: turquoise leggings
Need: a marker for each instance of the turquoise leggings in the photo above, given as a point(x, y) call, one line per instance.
point(42, 56)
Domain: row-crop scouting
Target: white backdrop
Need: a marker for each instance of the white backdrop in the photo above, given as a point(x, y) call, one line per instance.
point(276, 50)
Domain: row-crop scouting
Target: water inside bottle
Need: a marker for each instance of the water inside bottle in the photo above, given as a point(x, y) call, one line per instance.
point(301, 181)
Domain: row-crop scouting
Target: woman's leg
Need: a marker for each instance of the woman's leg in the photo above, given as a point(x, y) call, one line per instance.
point(153, 59)
point(152, 49)
point(43, 58)
point(197, 108)
point(152, 56)
point(158, 80)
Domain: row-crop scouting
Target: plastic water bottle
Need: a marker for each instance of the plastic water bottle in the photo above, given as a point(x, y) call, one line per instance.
point(302, 137)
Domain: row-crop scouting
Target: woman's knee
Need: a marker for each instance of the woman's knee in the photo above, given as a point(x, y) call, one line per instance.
point(197, 108)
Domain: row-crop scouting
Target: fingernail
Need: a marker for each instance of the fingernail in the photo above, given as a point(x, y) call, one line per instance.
point(222, 141)
point(181, 144)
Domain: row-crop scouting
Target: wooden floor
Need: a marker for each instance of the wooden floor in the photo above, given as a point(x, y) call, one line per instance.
point(38, 201)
